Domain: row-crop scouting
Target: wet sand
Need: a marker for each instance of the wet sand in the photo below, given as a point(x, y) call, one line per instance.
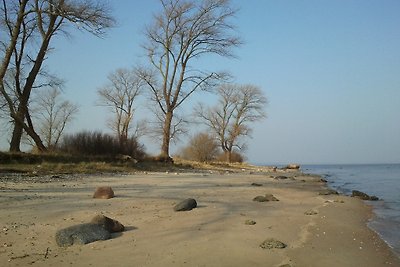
point(213, 234)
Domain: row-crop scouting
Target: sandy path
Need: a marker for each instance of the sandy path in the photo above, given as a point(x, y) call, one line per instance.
point(214, 234)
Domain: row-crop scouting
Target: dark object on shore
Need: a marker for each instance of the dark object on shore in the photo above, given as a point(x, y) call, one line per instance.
point(100, 228)
point(281, 177)
point(250, 222)
point(103, 192)
point(328, 192)
point(311, 212)
point(272, 243)
point(323, 180)
point(267, 197)
point(109, 224)
point(292, 167)
point(186, 205)
point(256, 184)
point(363, 196)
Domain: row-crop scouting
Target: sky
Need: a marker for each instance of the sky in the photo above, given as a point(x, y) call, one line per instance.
point(330, 71)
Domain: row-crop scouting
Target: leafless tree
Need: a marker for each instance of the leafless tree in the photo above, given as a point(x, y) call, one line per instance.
point(185, 30)
point(120, 94)
point(27, 28)
point(52, 114)
point(229, 119)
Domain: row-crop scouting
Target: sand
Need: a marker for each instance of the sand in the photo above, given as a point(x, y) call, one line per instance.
point(213, 234)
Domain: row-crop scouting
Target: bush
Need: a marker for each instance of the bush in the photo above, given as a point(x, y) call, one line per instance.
point(202, 147)
point(235, 157)
point(101, 144)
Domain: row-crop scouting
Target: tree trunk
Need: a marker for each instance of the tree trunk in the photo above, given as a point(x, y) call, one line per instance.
point(228, 156)
point(16, 137)
point(166, 136)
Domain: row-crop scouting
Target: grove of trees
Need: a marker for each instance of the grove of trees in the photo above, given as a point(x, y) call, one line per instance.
point(182, 33)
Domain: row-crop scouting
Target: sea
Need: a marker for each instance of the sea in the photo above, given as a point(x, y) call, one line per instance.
point(381, 180)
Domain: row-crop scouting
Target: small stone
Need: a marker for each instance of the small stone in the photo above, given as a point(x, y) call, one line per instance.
point(272, 243)
point(281, 177)
point(186, 205)
point(109, 224)
point(249, 222)
point(311, 212)
point(103, 192)
point(256, 184)
point(328, 192)
point(267, 197)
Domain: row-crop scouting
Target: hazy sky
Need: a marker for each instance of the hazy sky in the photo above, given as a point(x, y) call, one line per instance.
point(330, 69)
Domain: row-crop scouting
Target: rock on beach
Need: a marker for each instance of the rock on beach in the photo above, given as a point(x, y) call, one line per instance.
point(100, 228)
point(103, 192)
point(186, 205)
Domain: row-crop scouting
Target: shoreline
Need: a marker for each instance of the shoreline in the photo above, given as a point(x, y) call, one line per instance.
point(213, 234)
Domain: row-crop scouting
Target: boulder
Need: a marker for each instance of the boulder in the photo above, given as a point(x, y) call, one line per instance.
point(272, 243)
point(267, 197)
point(186, 205)
point(363, 196)
point(103, 192)
point(107, 223)
point(100, 228)
point(81, 234)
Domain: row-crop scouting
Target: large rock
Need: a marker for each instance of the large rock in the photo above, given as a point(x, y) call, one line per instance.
point(100, 228)
point(81, 234)
point(185, 205)
point(363, 196)
point(267, 197)
point(107, 223)
point(293, 166)
point(103, 192)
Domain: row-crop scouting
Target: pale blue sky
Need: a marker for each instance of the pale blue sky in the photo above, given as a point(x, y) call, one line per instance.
point(330, 69)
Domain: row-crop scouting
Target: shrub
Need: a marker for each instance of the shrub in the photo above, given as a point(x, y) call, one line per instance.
point(202, 147)
point(235, 157)
point(101, 144)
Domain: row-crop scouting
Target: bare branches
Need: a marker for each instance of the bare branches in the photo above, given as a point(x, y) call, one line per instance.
point(238, 105)
point(29, 27)
point(123, 87)
point(52, 114)
point(183, 31)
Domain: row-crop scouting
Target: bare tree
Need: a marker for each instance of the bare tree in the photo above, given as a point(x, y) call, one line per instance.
point(28, 27)
point(52, 114)
point(185, 30)
point(229, 119)
point(119, 94)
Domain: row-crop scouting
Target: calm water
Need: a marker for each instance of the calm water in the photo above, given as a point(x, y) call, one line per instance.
point(381, 180)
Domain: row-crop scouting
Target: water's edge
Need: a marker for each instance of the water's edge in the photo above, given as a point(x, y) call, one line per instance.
point(379, 223)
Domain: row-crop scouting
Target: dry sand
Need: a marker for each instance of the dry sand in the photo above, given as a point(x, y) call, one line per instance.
point(214, 234)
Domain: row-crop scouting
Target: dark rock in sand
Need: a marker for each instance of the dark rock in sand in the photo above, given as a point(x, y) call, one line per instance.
point(267, 197)
point(328, 192)
point(100, 228)
point(103, 192)
point(311, 212)
point(363, 196)
point(186, 205)
point(272, 243)
point(249, 222)
point(256, 184)
point(281, 177)
point(323, 180)
point(81, 234)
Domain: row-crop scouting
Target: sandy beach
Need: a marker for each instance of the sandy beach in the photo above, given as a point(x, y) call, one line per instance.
point(213, 234)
